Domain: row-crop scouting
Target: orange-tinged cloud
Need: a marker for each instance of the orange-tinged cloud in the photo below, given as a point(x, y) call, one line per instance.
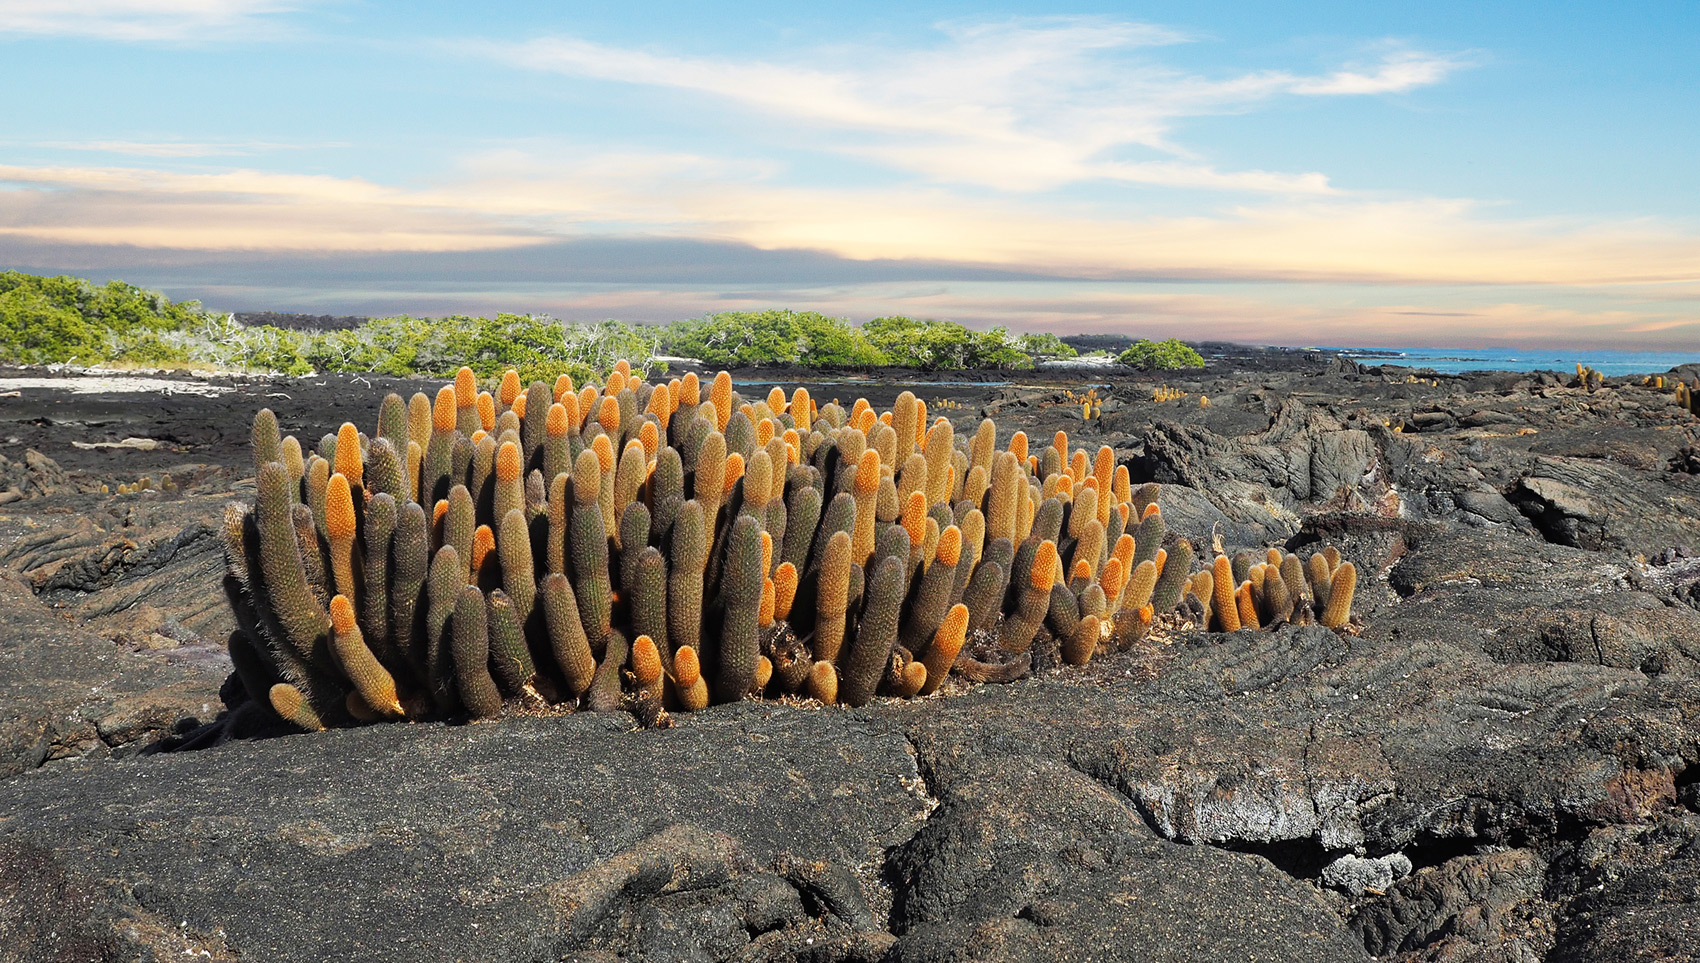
point(1432, 241)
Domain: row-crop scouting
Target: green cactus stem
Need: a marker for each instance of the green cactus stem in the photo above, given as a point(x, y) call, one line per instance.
point(471, 649)
point(876, 634)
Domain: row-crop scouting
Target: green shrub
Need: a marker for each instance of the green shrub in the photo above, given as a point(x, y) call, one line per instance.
point(1160, 355)
point(63, 319)
point(46, 320)
point(734, 338)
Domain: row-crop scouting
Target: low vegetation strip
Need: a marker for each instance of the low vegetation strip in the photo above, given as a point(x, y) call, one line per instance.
point(58, 320)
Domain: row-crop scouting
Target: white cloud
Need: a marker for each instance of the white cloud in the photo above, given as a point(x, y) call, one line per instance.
point(1025, 105)
point(141, 20)
point(1397, 74)
point(171, 148)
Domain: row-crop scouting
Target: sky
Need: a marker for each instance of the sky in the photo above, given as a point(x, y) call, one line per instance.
point(1439, 174)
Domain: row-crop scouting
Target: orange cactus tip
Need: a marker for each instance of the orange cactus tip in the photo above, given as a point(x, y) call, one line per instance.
point(1124, 549)
point(885, 418)
point(661, 404)
point(519, 407)
point(1082, 570)
point(768, 596)
point(1044, 572)
point(510, 388)
point(479, 436)
point(443, 412)
point(1145, 614)
point(764, 433)
point(483, 543)
point(793, 442)
point(556, 423)
point(865, 421)
point(608, 416)
point(687, 669)
point(508, 462)
point(868, 473)
point(1090, 482)
point(604, 449)
point(466, 388)
point(776, 400)
point(624, 367)
point(646, 661)
point(1033, 464)
point(823, 682)
point(720, 392)
point(915, 509)
point(1060, 443)
point(766, 551)
point(486, 410)
point(690, 392)
point(348, 452)
point(616, 382)
point(339, 508)
point(1162, 559)
point(1018, 444)
point(587, 465)
point(563, 386)
point(950, 546)
point(439, 510)
point(342, 614)
point(955, 624)
point(587, 400)
point(1150, 510)
point(650, 437)
point(734, 471)
point(1113, 577)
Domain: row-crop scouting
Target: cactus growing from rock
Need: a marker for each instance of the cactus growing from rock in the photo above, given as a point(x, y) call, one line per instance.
point(745, 545)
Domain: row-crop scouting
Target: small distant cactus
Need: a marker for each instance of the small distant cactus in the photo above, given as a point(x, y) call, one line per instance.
point(666, 546)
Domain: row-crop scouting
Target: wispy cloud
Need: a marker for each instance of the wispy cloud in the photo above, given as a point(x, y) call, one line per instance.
point(142, 20)
point(1397, 73)
point(238, 210)
point(172, 148)
point(1024, 105)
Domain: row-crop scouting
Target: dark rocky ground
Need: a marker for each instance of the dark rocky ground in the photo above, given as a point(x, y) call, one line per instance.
point(1503, 766)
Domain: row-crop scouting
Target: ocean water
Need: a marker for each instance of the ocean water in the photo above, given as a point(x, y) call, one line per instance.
point(1454, 360)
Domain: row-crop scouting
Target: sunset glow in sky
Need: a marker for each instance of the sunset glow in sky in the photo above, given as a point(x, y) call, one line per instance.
point(1398, 174)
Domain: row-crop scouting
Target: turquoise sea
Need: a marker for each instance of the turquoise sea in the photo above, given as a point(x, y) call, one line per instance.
point(1453, 360)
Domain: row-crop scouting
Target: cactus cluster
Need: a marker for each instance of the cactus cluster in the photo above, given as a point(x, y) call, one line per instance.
point(1091, 406)
point(1251, 592)
point(1587, 377)
point(1686, 396)
point(668, 546)
point(1163, 393)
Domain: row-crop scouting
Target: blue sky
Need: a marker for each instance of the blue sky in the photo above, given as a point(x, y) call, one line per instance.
point(1318, 173)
